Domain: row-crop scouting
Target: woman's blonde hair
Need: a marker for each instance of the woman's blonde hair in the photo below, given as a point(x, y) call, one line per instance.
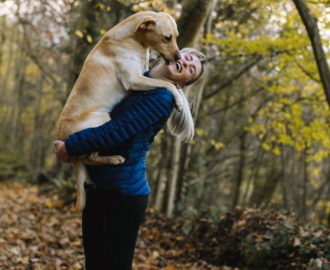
point(181, 124)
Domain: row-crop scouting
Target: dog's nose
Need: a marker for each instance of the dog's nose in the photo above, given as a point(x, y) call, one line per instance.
point(177, 56)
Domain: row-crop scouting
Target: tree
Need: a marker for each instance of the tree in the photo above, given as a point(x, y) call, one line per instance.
point(189, 34)
point(310, 23)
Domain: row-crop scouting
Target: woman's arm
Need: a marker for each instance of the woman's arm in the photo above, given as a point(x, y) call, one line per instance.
point(147, 110)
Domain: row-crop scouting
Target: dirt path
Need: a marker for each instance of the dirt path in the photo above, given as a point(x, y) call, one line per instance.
point(38, 232)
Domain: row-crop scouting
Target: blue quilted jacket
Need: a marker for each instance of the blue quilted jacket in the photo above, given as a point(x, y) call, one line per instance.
point(135, 122)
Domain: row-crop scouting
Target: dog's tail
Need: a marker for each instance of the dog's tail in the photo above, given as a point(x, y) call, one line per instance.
point(81, 177)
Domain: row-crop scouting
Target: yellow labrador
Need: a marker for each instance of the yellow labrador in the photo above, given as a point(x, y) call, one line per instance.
point(115, 65)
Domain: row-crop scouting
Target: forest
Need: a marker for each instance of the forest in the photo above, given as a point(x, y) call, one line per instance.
point(251, 191)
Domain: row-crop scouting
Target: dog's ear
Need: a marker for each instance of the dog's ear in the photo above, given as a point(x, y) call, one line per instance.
point(148, 23)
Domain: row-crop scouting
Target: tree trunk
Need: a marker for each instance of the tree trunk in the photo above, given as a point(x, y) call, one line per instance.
point(18, 104)
point(173, 180)
point(284, 185)
point(162, 173)
point(303, 214)
point(188, 36)
point(264, 191)
point(8, 70)
point(310, 23)
point(7, 56)
point(193, 17)
point(90, 21)
point(240, 170)
point(80, 45)
point(36, 148)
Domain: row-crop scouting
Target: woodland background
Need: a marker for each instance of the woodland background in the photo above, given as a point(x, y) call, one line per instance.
point(262, 120)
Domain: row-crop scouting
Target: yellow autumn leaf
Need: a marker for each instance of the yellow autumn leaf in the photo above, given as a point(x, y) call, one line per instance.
point(100, 5)
point(200, 132)
point(102, 31)
point(79, 33)
point(217, 145)
point(49, 204)
point(52, 204)
point(276, 150)
point(265, 146)
point(89, 39)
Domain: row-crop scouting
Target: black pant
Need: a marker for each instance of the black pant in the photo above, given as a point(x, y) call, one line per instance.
point(110, 225)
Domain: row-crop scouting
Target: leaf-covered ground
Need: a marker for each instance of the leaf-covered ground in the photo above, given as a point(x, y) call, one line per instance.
point(39, 232)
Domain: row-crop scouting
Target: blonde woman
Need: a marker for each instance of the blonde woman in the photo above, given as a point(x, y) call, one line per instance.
point(116, 203)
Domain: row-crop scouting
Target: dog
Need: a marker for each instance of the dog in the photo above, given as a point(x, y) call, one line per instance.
point(115, 65)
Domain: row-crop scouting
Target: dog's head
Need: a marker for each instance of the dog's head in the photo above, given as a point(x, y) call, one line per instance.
point(160, 32)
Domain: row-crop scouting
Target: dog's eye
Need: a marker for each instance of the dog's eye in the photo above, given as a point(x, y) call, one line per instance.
point(167, 39)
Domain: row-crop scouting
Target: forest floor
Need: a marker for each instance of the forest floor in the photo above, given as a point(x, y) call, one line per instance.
point(37, 231)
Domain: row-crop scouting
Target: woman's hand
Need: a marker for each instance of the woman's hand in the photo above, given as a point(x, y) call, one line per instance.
point(62, 154)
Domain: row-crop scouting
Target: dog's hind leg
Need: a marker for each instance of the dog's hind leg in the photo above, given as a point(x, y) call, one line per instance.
point(81, 178)
point(96, 159)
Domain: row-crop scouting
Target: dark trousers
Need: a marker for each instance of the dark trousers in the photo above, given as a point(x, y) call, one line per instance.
point(110, 225)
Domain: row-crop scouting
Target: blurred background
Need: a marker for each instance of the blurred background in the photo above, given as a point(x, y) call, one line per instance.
point(262, 124)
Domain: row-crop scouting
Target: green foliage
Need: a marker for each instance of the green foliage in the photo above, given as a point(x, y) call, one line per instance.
point(256, 239)
point(12, 166)
point(248, 239)
point(65, 189)
point(265, 45)
point(296, 114)
point(154, 5)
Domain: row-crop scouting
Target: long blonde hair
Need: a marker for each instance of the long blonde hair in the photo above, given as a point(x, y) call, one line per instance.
point(181, 124)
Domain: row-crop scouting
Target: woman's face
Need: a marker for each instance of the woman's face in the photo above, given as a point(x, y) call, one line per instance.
point(181, 71)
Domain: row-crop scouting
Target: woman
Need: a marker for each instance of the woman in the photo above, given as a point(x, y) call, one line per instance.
point(116, 203)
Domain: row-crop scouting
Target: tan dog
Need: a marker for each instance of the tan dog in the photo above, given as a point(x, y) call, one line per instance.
point(115, 65)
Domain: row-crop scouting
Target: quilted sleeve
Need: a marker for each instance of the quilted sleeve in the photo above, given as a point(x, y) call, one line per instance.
point(144, 112)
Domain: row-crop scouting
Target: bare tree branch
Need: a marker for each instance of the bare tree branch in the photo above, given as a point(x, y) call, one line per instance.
point(234, 77)
point(307, 73)
point(237, 102)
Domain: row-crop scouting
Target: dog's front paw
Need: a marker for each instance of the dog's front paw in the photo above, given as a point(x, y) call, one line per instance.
point(57, 144)
point(177, 96)
point(178, 102)
point(117, 160)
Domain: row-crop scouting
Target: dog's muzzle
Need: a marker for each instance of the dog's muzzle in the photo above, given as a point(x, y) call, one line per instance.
point(177, 56)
